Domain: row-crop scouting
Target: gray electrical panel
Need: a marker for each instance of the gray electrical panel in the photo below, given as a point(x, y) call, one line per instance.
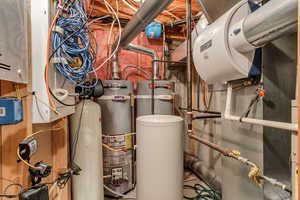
point(13, 40)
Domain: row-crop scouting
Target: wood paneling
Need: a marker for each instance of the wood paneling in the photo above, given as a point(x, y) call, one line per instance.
point(11, 135)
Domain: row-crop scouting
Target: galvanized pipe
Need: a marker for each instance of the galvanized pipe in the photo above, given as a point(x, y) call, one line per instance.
point(115, 67)
point(273, 20)
point(149, 52)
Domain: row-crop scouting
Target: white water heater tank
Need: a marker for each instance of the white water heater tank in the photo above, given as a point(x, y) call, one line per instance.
point(220, 53)
point(160, 157)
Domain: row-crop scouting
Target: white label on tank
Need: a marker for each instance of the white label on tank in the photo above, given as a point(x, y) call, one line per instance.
point(2, 112)
point(117, 141)
point(117, 175)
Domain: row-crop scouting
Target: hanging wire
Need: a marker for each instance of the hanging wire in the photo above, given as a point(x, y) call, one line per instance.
point(73, 55)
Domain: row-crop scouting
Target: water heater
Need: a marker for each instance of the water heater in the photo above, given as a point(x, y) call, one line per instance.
point(160, 157)
point(220, 52)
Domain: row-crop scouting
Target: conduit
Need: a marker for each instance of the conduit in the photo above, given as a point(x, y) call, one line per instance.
point(273, 124)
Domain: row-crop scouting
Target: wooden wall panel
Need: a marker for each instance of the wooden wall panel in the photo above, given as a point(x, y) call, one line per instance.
point(11, 135)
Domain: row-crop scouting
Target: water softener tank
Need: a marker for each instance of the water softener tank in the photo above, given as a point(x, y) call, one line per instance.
point(163, 98)
point(117, 129)
point(87, 151)
point(159, 157)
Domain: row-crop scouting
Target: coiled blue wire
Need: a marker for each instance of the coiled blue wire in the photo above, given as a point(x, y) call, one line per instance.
point(77, 46)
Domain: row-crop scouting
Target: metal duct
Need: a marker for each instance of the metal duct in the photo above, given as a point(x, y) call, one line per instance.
point(149, 52)
point(273, 20)
point(146, 14)
point(213, 9)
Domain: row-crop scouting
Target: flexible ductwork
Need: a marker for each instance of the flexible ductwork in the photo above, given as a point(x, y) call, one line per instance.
point(146, 14)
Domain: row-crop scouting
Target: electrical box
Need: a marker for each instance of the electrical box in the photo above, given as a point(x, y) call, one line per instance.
point(11, 111)
point(41, 12)
point(13, 40)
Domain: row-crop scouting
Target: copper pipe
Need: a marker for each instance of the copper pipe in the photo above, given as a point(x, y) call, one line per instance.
point(223, 151)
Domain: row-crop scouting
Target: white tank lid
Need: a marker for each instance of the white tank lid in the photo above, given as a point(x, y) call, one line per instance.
point(159, 120)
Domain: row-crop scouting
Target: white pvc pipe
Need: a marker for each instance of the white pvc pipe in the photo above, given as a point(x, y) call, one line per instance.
point(273, 124)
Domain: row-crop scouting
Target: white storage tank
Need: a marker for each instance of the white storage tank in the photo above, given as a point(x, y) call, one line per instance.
point(160, 157)
point(86, 136)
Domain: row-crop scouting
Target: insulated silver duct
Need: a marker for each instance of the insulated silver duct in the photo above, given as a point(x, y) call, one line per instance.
point(146, 14)
point(149, 52)
point(213, 9)
point(273, 20)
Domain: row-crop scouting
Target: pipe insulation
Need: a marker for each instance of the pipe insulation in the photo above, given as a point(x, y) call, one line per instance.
point(273, 20)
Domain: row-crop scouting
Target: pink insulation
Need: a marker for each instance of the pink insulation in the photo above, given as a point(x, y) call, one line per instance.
point(126, 57)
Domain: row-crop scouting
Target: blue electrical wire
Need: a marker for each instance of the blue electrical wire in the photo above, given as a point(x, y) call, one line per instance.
point(70, 40)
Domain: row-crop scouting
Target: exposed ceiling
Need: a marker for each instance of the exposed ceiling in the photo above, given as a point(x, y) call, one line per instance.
point(127, 8)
